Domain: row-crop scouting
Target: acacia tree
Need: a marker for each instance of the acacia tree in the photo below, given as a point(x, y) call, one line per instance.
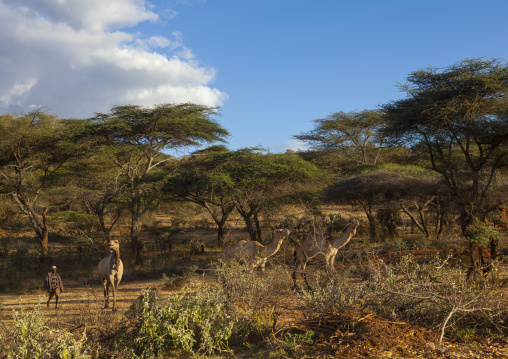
point(459, 116)
point(33, 148)
point(356, 134)
point(135, 139)
point(262, 179)
point(389, 188)
point(202, 179)
point(96, 184)
point(246, 180)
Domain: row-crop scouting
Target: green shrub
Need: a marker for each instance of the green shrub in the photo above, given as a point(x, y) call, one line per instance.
point(27, 335)
point(289, 346)
point(30, 339)
point(199, 321)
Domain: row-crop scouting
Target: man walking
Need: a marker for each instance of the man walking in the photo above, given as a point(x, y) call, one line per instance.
point(53, 285)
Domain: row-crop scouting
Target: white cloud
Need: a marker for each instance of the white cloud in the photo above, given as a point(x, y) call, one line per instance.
point(71, 56)
point(294, 145)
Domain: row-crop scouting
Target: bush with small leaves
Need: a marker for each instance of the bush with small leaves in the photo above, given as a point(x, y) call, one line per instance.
point(289, 346)
point(31, 339)
point(196, 320)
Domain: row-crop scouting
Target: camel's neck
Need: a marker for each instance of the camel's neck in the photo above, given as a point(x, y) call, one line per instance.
point(273, 247)
point(342, 240)
point(115, 259)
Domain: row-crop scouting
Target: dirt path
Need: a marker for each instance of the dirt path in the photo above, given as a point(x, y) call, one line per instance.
point(77, 305)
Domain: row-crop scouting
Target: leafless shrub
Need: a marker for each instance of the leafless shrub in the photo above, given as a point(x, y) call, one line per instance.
point(259, 296)
point(435, 294)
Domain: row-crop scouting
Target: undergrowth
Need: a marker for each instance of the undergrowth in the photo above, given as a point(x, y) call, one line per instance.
point(220, 318)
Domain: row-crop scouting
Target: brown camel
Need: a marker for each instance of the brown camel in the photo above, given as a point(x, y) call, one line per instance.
point(254, 253)
point(321, 247)
point(111, 271)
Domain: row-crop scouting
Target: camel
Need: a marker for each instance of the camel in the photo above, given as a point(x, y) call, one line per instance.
point(321, 247)
point(111, 271)
point(254, 253)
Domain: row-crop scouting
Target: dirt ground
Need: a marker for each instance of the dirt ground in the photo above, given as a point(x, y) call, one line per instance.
point(339, 335)
point(355, 335)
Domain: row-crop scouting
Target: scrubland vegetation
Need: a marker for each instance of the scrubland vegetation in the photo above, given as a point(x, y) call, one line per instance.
point(425, 275)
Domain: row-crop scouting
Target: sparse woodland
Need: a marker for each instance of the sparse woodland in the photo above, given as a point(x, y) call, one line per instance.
point(423, 272)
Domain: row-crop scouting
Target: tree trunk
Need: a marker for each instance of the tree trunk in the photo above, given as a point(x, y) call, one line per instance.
point(493, 249)
point(136, 246)
point(247, 217)
point(421, 226)
point(474, 265)
point(258, 228)
point(44, 242)
point(38, 224)
point(220, 220)
point(367, 207)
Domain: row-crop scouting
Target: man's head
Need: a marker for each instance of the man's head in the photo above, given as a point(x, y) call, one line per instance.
point(53, 269)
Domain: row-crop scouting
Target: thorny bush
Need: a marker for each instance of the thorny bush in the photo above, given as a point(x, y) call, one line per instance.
point(435, 294)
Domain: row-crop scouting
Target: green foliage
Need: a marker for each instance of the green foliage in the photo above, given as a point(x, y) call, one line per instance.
point(255, 298)
point(335, 296)
point(406, 170)
point(136, 140)
point(27, 339)
point(481, 233)
point(464, 334)
point(30, 339)
point(354, 133)
point(457, 117)
point(289, 346)
point(199, 321)
point(73, 216)
point(431, 293)
point(179, 281)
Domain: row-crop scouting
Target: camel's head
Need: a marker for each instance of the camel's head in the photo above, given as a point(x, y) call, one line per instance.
point(354, 225)
point(114, 245)
point(282, 233)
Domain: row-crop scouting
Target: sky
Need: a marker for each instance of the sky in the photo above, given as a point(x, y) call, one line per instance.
point(272, 67)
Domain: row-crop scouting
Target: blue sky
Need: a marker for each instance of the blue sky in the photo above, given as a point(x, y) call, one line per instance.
point(272, 66)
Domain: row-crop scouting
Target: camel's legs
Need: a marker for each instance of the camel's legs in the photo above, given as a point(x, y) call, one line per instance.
point(304, 275)
point(293, 275)
point(114, 285)
point(297, 269)
point(105, 283)
point(300, 267)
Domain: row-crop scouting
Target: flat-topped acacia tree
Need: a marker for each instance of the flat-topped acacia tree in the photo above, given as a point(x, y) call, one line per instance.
point(135, 139)
point(204, 181)
point(458, 116)
point(247, 180)
point(269, 180)
point(34, 148)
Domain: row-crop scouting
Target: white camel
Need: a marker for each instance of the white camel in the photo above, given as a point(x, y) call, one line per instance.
point(254, 253)
point(111, 271)
point(321, 247)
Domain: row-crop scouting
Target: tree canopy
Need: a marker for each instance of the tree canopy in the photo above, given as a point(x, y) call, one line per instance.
point(459, 116)
point(136, 139)
point(356, 134)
